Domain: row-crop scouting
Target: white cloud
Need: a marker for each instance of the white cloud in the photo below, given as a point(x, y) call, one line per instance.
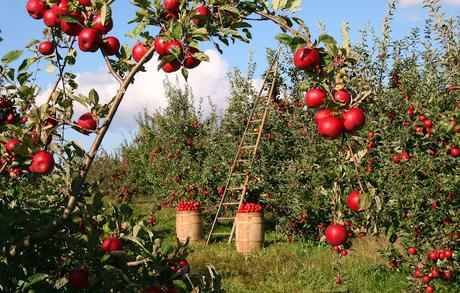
point(208, 79)
point(407, 3)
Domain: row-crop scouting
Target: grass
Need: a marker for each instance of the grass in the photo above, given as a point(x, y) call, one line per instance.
point(283, 267)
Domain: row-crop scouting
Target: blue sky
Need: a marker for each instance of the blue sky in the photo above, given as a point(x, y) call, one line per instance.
point(208, 80)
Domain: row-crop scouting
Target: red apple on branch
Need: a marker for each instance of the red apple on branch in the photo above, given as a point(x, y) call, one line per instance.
point(36, 8)
point(315, 97)
point(191, 62)
point(172, 5)
point(160, 46)
point(336, 234)
point(202, 14)
point(110, 46)
point(343, 97)
point(42, 163)
point(89, 40)
point(51, 19)
point(139, 51)
point(111, 244)
point(330, 127)
point(353, 119)
point(87, 121)
point(102, 28)
point(306, 58)
point(46, 48)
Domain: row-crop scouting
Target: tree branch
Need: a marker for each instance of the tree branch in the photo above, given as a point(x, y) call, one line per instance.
point(78, 181)
point(111, 70)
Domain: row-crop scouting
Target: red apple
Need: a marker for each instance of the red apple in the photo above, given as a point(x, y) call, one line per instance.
point(190, 61)
point(160, 46)
point(449, 254)
point(322, 114)
point(412, 250)
point(336, 234)
point(36, 8)
point(85, 2)
point(315, 97)
point(330, 127)
point(61, 7)
point(172, 5)
point(429, 289)
point(78, 278)
point(42, 163)
point(353, 119)
point(110, 46)
point(171, 66)
point(202, 13)
point(102, 28)
point(139, 51)
point(353, 201)
point(433, 255)
point(447, 275)
point(46, 48)
point(111, 244)
point(426, 279)
point(73, 28)
point(174, 44)
point(87, 121)
point(306, 58)
point(454, 152)
point(89, 40)
point(343, 97)
point(15, 144)
point(51, 19)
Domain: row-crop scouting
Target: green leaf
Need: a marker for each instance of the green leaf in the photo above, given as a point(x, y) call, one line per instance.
point(68, 18)
point(11, 56)
point(31, 43)
point(26, 63)
point(184, 72)
point(37, 278)
point(327, 39)
point(284, 39)
point(93, 97)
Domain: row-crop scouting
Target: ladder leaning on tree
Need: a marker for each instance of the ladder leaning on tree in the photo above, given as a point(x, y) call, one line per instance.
point(240, 171)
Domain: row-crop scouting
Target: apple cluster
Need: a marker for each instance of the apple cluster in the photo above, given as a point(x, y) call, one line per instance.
point(21, 153)
point(433, 272)
point(187, 206)
point(250, 208)
point(75, 20)
point(173, 50)
point(329, 124)
point(424, 127)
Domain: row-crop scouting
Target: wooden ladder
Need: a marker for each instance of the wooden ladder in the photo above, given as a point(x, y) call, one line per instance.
point(240, 171)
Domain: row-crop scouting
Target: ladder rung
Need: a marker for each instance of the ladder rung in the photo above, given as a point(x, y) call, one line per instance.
point(230, 203)
point(237, 188)
point(248, 147)
point(253, 133)
point(256, 120)
point(226, 218)
point(221, 234)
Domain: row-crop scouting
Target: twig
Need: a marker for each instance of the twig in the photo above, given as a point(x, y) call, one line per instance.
point(111, 70)
point(285, 26)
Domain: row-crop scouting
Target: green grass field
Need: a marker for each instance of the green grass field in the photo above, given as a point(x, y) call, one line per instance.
point(284, 267)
